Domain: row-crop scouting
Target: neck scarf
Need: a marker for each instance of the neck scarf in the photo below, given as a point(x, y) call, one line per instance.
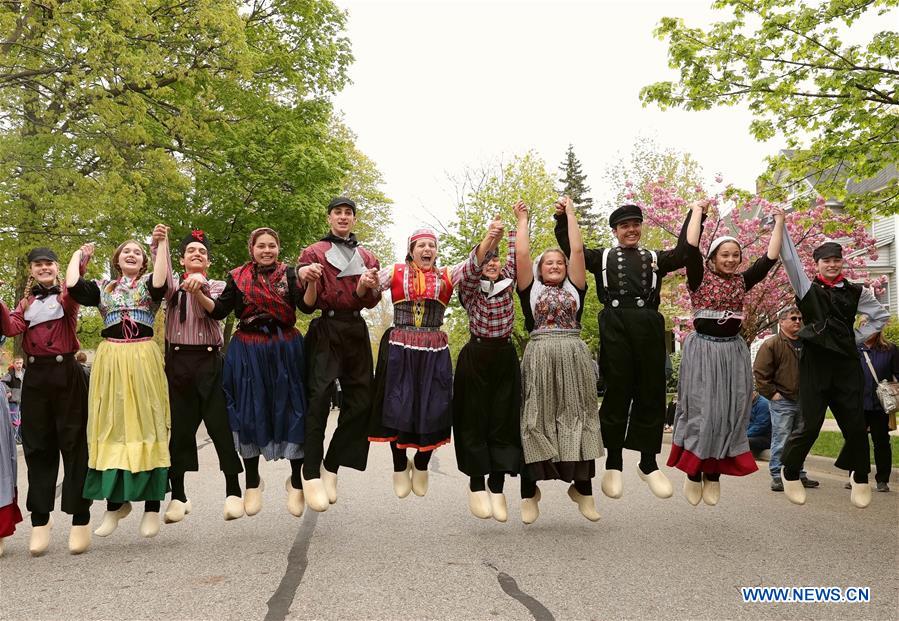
point(40, 292)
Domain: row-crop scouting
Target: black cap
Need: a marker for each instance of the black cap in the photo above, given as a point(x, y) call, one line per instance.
point(196, 235)
point(342, 200)
point(623, 213)
point(828, 250)
point(42, 254)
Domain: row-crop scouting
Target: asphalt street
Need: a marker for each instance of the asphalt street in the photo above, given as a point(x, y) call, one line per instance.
point(374, 556)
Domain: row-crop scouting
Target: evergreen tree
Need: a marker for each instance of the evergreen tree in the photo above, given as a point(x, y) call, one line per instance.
point(574, 185)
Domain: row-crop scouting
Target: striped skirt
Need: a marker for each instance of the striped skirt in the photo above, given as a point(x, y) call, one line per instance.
point(714, 398)
point(559, 417)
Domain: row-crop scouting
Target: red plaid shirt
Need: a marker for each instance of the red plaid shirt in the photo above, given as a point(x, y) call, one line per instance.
point(489, 317)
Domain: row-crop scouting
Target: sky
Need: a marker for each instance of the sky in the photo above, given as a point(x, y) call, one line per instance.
point(438, 86)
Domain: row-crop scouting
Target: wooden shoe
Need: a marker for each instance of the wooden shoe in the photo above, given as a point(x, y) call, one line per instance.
point(793, 490)
point(711, 491)
point(612, 485)
point(530, 508)
point(692, 491)
point(40, 538)
point(402, 481)
point(330, 481)
point(419, 481)
point(252, 499)
point(176, 511)
point(860, 496)
point(658, 483)
point(295, 499)
point(149, 524)
point(111, 520)
point(479, 504)
point(585, 504)
point(315, 494)
point(233, 508)
point(498, 507)
point(79, 539)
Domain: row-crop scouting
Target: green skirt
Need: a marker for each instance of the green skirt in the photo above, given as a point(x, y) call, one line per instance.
point(124, 486)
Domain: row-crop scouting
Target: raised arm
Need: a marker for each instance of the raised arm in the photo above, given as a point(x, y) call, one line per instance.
point(777, 235)
point(470, 267)
point(524, 274)
point(162, 265)
point(592, 256)
point(878, 316)
point(73, 270)
point(799, 280)
point(577, 270)
point(694, 222)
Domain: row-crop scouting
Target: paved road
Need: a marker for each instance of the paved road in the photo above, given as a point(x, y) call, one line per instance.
point(373, 556)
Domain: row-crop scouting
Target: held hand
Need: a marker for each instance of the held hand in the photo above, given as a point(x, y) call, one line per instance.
point(369, 279)
point(567, 205)
point(87, 251)
point(160, 233)
point(495, 230)
point(701, 204)
point(520, 210)
point(193, 283)
point(310, 273)
point(779, 214)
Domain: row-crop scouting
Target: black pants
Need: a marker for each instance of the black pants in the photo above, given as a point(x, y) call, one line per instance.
point(878, 426)
point(827, 379)
point(54, 424)
point(632, 359)
point(757, 444)
point(195, 395)
point(338, 349)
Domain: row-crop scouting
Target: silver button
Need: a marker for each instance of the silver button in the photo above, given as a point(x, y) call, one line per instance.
point(640, 303)
point(58, 358)
point(30, 358)
point(622, 291)
point(615, 303)
point(201, 334)
point(177, 348)
point(330, 313)
point(179, 334)
point(208, 349)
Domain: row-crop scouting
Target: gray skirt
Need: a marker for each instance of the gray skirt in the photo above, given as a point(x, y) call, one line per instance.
point(7, 455)
point(559, 415)
point(714, 398)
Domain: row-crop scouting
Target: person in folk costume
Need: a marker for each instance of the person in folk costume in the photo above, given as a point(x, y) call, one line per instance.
point(412, 405)
point(128, 418)
point(263, 380)
point(632, 345)
point(193, 366)
point(829, 371)
point(559, 419)
point(487, 384)
point(338, 348)
point(715, 386)
point(54, 402)
point(10, 515)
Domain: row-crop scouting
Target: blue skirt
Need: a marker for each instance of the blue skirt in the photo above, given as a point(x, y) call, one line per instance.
point(264, 384)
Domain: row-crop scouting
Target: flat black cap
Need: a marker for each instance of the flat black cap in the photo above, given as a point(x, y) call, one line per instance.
point(828, 250)
point(342, 200)
point(623, 213)
point(42, 254)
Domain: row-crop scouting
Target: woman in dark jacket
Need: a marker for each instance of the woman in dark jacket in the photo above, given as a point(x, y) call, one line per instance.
point(884, 358)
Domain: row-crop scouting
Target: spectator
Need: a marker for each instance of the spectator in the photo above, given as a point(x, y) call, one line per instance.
point(759, 430)
point(81, 358)
point(776, 371)
point(13, 381)
point(880, 361)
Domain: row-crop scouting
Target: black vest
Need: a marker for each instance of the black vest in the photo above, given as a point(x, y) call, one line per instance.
point(829, 317)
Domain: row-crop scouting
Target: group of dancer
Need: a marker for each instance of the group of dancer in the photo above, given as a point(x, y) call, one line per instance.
point(130, 436)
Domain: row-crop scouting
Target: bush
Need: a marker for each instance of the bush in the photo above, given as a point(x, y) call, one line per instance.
point(675, 371)
point(891, 332)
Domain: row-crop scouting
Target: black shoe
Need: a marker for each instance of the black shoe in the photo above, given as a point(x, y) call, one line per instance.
point(882, 486)
point(777, 485)
point(807, 482)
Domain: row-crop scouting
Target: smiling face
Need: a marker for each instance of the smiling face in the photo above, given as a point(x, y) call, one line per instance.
point(424, 253)
point(195, 259)
point(45, 272)
point(265, 250)
point(492, 268)
point(830, 268)
point(341, 219)
point(130, 259)
point(552, 267)
point(727, 258)
point(628, 233)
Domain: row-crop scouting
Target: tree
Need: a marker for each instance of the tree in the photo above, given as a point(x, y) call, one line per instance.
point(491, 190)
point(574, 184)
point(808, 229)
point(796, 65)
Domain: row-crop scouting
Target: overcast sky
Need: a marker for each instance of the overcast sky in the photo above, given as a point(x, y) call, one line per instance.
point(438, 86)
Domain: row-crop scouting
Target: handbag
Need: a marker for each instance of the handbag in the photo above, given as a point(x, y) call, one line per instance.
point(887, 394)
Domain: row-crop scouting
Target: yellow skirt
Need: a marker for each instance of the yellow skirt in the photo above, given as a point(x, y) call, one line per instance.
point(128, 418)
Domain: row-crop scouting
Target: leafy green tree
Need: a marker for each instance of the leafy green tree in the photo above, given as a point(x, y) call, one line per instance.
point(574, 185)
point(805, 76)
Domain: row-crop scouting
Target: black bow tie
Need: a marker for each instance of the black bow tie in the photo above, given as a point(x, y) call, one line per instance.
point(41, 292)
point(350, 241)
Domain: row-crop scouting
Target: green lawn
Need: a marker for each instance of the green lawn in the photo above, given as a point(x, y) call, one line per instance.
point(830, 443)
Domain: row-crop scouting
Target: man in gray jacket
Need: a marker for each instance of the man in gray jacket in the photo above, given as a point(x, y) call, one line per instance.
point(776, 371)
